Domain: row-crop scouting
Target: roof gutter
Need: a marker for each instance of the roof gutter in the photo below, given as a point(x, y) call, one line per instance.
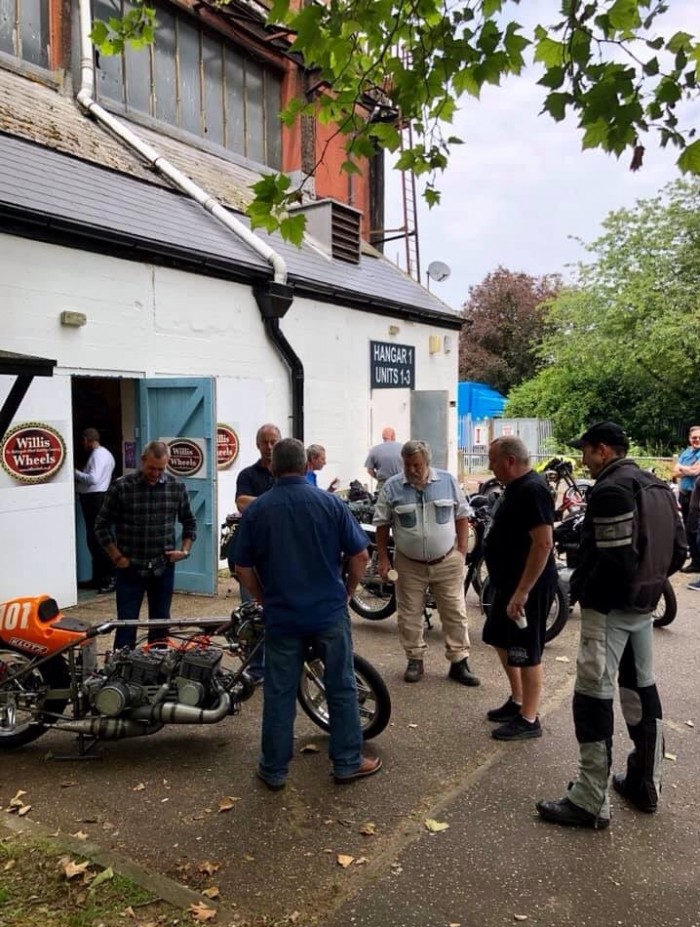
point(273, 297)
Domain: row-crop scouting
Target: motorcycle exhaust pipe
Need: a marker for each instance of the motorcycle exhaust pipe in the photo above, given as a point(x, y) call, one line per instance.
point(175, 713)
point(107, 728)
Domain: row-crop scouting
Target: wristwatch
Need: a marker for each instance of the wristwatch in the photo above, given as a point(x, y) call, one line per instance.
point(185, 553)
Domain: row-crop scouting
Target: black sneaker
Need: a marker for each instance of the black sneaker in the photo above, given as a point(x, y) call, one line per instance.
point(518, 729)
point(414, 671)
point(508, 711)
point(690, 568)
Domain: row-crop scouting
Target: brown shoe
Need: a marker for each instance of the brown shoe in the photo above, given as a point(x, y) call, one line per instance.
point(368, 767)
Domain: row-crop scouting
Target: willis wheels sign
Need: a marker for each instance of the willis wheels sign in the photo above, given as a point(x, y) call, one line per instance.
point(32, 452)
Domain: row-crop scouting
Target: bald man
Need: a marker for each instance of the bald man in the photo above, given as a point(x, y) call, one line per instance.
point(384, 460)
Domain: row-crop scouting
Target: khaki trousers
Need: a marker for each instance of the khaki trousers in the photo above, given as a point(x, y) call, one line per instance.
point(446, 581)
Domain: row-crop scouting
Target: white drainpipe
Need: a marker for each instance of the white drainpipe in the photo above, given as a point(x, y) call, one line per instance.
point(161, 164)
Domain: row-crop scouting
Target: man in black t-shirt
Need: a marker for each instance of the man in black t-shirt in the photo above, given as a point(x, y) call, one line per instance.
point(523, 577)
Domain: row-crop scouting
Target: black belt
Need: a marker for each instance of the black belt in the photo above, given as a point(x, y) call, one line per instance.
point(430, 562)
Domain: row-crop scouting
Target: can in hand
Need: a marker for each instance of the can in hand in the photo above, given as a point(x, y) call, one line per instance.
point(392, 576)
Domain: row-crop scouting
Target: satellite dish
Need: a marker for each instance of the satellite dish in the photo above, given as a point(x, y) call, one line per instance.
point(438, 271)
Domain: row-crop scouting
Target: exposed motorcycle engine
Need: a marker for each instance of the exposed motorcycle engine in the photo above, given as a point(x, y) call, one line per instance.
point(195, 675)
point(133, 678)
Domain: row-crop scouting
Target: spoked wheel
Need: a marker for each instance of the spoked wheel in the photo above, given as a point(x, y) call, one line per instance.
point(25, 705)
point(558, 616)
point(556, 619)
point(480, 576)
point(667, 609)
point(372, 695)
point(373, 599)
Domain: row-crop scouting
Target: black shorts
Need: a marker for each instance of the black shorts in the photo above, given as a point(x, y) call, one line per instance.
point(524, 647)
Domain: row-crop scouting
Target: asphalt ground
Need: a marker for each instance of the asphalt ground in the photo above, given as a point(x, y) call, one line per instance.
point(281, 858)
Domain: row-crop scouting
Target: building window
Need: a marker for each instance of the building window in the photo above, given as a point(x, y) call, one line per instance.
point(194, 80)
point(24, 30)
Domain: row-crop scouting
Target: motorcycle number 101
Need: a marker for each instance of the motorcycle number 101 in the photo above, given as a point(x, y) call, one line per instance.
point(14, 615)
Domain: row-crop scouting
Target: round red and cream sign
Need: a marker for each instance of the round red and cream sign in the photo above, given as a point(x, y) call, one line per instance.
point(227, 446)
point(33, 452)
point(186, 457)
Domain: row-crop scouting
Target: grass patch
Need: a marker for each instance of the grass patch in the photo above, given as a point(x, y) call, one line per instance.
point(35, 891)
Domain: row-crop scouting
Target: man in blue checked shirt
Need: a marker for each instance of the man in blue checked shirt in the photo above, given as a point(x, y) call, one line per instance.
point(136, 527)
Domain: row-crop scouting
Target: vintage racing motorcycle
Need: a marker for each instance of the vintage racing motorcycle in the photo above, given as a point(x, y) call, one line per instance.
point(53, 678)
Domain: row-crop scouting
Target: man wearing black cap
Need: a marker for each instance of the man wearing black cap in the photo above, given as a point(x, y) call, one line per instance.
point(632, 540)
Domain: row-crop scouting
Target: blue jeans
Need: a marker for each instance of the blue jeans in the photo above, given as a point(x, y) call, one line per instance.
point(131, 588)
point(283, 667)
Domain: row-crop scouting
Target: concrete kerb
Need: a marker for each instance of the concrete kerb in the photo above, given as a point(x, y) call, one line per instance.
point(179, 896)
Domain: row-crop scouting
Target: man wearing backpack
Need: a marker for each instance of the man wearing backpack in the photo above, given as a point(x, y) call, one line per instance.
point(632, 540)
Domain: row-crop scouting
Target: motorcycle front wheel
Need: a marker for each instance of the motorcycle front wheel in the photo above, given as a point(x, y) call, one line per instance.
point(25, 708)
point(667, 609)
point(372, 695)
point(373, 599)
point(556, 619)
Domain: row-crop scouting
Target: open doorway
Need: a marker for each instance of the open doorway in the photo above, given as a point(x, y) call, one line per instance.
point(96, 403)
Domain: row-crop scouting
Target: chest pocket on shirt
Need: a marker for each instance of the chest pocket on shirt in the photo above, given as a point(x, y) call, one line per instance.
point(406, 515)
point(443, 511)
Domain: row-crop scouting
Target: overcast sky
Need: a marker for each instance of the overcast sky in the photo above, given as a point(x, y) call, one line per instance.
point(520, 190)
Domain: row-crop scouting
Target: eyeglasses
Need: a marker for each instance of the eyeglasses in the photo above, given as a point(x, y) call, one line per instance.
point(695, 437)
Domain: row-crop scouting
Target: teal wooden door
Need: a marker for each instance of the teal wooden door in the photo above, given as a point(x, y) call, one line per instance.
point(185, 408)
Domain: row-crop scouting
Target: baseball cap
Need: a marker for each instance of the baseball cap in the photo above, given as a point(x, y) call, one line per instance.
point(603, 433)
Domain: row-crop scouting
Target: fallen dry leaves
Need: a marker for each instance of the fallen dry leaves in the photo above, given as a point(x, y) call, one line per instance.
point(208, 867)
point(435, 827)
point(344, 860)
point(17, 806)
point(225, 804)
point(202, 913)
point(368, 829)
point(71, 869)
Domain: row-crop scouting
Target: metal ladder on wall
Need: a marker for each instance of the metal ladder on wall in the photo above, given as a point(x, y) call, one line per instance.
point(410, 208)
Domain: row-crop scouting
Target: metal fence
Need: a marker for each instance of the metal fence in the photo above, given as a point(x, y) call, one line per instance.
point(475, 436)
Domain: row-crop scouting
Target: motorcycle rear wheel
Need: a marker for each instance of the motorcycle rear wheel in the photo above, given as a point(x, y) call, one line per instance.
point(23, 704)
point(556, 619)
point(372, 695)
point(667, 609)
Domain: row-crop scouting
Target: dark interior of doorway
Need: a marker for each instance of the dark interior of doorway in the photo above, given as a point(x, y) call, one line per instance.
point(97, 404)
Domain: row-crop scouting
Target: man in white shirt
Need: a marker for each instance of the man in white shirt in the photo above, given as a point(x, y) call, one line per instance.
point(91, 485)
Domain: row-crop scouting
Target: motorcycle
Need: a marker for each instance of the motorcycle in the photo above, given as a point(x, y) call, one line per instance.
point(228, 528)
point(52, 677)
point(375, 599)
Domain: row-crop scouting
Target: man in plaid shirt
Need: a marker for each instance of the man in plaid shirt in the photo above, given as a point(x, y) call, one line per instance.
point(136, 527)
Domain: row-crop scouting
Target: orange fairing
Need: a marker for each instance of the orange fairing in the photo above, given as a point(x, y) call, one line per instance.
point(35, 625)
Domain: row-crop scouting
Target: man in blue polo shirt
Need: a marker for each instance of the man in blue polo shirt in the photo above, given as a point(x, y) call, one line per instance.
point(686, 470)
point(289, 557)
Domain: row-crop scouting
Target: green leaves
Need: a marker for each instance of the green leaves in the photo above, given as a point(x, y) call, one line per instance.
point(689, 161)
point(136, 29)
